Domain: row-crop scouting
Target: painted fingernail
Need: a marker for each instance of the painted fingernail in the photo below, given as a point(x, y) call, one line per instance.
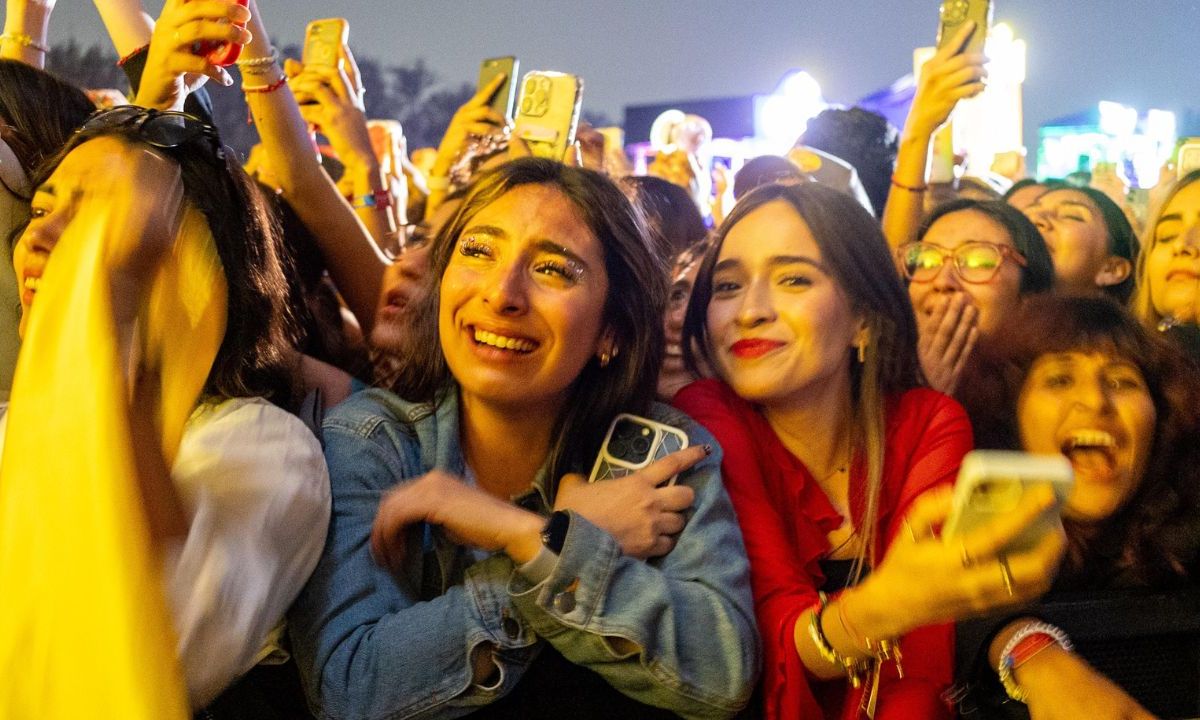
point(707, 449)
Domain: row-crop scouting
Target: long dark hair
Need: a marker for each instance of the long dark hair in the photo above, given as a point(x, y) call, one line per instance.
point(1038, 273)
point(1122, 240)
point(854, 251)
point(255, 357)
point(637, 290)
point(41, 111)
point(1152, 538)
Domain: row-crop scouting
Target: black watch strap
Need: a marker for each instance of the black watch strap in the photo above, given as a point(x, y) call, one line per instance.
point(554, 534)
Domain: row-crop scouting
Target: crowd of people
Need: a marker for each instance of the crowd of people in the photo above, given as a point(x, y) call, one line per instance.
point(355, 399)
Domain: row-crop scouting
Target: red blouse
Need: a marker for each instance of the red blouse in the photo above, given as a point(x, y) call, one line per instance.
point(786, 518)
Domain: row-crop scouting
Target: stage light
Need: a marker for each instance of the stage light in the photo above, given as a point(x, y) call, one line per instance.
point(781, 118)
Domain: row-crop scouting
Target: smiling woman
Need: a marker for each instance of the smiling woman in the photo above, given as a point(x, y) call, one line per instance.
point(444, 589)
point(1079, 376)
point(837, 460)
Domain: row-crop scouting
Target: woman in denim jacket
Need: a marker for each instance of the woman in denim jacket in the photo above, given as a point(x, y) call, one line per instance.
point(444, 590)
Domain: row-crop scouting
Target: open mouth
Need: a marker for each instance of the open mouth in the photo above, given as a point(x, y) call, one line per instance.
point(517, 345)
point(1090, 450)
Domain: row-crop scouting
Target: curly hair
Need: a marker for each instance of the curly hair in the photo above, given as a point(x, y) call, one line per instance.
point(1152, 540)
point(862, 138)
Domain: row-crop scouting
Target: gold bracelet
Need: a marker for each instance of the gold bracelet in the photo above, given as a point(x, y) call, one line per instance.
point(25, 41)
point(852, 666)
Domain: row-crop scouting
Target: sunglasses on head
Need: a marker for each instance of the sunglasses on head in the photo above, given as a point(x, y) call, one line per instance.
point(975, 262)
point(156, 128)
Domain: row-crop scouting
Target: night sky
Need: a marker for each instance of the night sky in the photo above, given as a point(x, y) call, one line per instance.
point(642, 51)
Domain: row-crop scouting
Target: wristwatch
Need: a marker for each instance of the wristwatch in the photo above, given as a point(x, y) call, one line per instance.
point(554, 534)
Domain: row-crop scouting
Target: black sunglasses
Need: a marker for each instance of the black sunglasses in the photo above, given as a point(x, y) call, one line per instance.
point(156, 128)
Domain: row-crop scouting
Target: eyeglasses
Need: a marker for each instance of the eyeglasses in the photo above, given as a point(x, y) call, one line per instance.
point(976, 262)
point(156, 128)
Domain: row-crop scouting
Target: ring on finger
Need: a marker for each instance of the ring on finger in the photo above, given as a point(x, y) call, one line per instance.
point(1006, 574)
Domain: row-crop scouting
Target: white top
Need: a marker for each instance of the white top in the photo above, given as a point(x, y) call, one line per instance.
point(253, 478)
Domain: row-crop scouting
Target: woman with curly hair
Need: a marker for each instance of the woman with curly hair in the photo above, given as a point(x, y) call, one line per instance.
point(1081, 377)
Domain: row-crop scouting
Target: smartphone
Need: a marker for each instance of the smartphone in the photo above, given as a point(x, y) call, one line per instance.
point(506, 95)
point(548, 112)
point(956, 12)
point(634, 442)
point(1189, 157)
point(324, 40)
point(217, 53)
point(991, 484)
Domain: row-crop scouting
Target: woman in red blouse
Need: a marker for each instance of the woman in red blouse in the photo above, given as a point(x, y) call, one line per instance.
point(839, 462)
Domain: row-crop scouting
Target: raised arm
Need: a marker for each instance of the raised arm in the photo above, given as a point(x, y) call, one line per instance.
point(128, 24)
point(354, 260)
point(25, 29)
point(332, 102)
point(949, 76)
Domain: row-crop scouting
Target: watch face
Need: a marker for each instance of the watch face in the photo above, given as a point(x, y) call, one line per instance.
point(555, 532)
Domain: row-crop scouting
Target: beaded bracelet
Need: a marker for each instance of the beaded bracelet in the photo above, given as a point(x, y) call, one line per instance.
point(25, 41)
point(252, 64)
point(1023, 645)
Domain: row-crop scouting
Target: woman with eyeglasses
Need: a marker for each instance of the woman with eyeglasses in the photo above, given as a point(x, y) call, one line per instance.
point(972, 265)
point(839, 462)
point(1167, 298)
point(147, 216)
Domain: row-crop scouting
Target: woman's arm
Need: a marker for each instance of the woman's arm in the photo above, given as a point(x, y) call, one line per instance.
point(334, 107)
point(26, 23)
point(128, 24)
point(949, 76)
point(256, 483)
point(353, 259)
point(676, 632)
point(371, 643)
point(1061, 685)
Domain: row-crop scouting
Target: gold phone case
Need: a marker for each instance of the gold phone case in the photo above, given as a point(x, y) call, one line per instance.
point(548, 112)
point(956, 12)
point(323, 41)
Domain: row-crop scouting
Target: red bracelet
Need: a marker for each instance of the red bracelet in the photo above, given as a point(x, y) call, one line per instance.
point(910, 188)
point(264, 89)
point(1030, 646)
point(132, 55)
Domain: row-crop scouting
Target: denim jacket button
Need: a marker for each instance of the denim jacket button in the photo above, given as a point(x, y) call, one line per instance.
point(511, 627)
point(564, 602)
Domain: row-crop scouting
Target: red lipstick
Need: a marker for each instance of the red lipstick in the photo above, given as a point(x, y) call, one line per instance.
point(754, 348)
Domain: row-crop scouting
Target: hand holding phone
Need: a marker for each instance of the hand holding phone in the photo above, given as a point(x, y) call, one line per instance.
point(504, 97)
point(632, 443)
point(221, 54)
point(992, 483)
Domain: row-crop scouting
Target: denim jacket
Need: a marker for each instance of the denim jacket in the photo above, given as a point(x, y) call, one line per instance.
point(372, 646)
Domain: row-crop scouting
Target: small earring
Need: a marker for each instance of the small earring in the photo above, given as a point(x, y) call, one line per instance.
point(862, 351)
point(605, 358)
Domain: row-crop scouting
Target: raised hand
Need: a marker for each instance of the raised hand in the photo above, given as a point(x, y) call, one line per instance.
point(173, 69)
